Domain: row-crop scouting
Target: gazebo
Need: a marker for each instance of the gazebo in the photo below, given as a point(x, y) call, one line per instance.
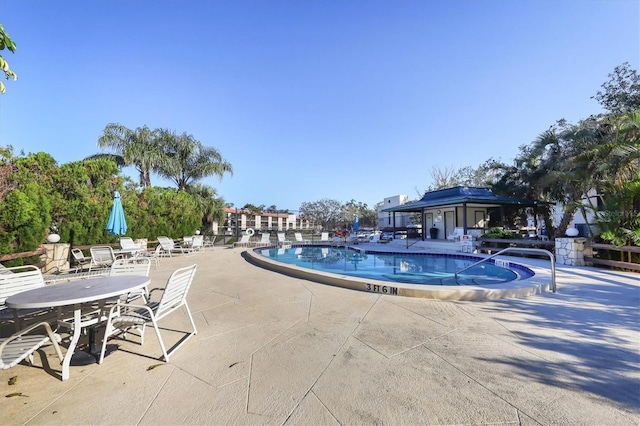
point(469, 208)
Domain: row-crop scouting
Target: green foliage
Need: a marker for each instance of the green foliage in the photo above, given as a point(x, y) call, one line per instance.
point(164, 211)
point(77, 197)
point(499, 233)
point(6, 43)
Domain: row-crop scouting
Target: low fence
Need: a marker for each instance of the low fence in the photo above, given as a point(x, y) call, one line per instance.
point(602, 254)
point(494, 245)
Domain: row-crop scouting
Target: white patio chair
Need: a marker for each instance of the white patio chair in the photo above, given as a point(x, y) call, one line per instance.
point(124, 317)
point(169, 246)
point(324, 237)
point(21, 345)
point(209, 242)
point(154, 254)
point(101, 257)
point(134, 266)
point(197, 243)
point(81, 262)
point(128, 245)
point(300, 240)
point(265, 240)
point(456, 234)
point(245, 240)
point(16, 280)
point(282, 239)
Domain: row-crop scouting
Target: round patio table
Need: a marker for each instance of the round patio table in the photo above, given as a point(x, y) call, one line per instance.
point(76, 293)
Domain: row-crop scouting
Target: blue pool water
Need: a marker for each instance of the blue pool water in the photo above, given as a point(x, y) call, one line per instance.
point(410, 268)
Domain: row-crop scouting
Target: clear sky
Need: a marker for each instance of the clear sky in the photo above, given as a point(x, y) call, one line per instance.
point(312, 99)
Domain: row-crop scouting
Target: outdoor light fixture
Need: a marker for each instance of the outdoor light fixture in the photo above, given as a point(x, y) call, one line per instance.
point(53, 236)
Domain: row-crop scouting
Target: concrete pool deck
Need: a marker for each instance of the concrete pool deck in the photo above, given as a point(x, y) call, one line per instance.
point(273, 349)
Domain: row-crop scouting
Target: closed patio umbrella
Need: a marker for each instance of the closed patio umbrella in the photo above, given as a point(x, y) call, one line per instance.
point(117, 225)
point(356, 224)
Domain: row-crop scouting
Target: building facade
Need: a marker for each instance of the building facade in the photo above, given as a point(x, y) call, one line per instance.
point(240, 220)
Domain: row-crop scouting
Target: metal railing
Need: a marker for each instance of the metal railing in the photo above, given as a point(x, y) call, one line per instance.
point(519, 249)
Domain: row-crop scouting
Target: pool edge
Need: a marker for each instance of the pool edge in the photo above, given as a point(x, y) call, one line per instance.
point(513, 289)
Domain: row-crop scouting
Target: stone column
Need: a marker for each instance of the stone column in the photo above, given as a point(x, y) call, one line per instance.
point(570, 251)
point(56, 258)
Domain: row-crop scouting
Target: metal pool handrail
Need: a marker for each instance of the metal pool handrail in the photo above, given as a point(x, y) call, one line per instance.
point(518, 249)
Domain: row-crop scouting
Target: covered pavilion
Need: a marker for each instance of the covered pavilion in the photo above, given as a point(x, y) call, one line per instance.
point(471, 208)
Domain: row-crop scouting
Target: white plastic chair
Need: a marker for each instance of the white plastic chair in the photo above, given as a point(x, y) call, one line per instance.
point(22, 345)
point(125, 316)
point(324, 237)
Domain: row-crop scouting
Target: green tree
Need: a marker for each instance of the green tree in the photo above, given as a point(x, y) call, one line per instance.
point(621, 93)
point(140, 147)
point(615, 166)
point(186, 160)
point(328, 213)
point(212, 208)
point(6, 43)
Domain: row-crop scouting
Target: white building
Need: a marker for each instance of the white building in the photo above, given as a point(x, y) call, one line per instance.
point(262, 222)
point(386, 219)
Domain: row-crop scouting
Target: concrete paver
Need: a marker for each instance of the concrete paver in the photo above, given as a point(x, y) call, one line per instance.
point(273, 349)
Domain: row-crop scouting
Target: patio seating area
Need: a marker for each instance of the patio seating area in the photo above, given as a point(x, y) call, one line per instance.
point(273, 349)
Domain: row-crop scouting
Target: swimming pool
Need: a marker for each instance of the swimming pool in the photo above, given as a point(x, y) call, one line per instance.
point(381, 272)
point(409, 268)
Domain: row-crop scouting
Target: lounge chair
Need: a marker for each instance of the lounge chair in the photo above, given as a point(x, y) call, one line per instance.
point(300, 240)
point(124, 317)
point(22, 345)
point(128, 246)
point(324, 237)
point(375, 238)
point(197, 243)
point(456, 234)
point(169, 247)
point(282, 239)
point(265, 240)
point(245, 240)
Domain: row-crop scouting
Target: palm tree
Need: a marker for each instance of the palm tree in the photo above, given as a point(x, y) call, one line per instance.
point(139, 147)
point(615, 163)
point(185, 160)
point(211, 206)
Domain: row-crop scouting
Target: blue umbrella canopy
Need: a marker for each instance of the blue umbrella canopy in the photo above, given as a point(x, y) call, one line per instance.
point(117, 225)
point(356, 224)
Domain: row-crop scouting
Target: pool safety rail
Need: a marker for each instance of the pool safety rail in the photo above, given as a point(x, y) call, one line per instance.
point(520, 250)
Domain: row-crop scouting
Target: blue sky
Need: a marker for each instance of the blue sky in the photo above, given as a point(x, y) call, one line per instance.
point(312, 99)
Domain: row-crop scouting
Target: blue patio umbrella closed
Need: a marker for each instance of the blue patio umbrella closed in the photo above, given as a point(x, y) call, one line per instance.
point(117, 225)
point(356, 225)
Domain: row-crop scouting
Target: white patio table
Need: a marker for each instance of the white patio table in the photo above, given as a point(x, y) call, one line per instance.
point(76, 293)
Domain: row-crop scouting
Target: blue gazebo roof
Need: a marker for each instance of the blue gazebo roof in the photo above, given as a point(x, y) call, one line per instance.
point(460, 195)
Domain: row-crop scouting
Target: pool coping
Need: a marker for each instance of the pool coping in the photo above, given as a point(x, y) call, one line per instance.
point(539, 283)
